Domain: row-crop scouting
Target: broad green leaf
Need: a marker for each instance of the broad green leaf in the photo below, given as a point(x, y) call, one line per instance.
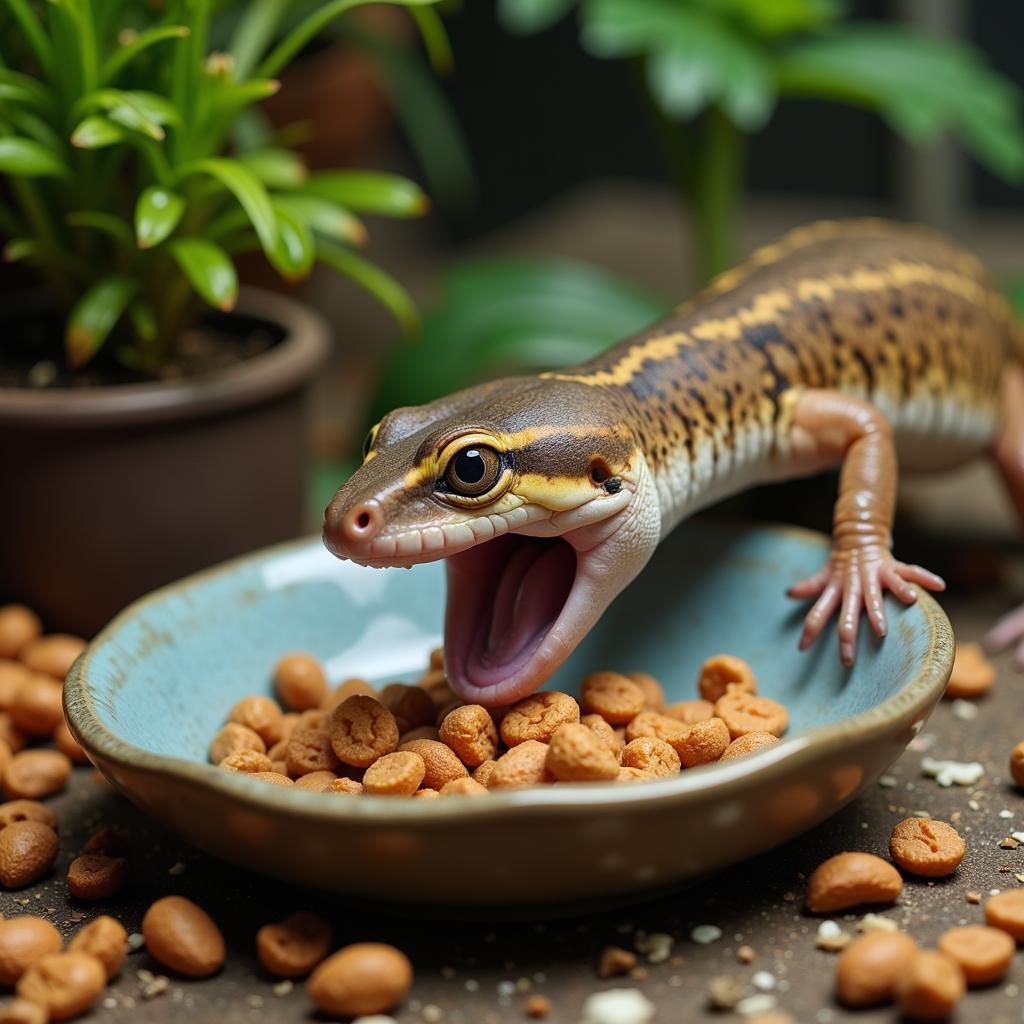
point(145, 112)
point(129, 50)
point(24, 89)
point(276, 168)
point(95, 132)
point(376, 281)
point(527, 16)
point(295, 251)
point(18, 249)
point(246, 188)
point(26, 158)
point(157, 214)
point(324, 217)
point(369, 192)
point(94, 316)
point(209, 269)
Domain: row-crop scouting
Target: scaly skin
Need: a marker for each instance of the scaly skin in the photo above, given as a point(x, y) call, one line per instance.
point(843, 343)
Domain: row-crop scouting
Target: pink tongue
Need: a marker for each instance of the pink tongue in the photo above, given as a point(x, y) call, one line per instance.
point(531, 594)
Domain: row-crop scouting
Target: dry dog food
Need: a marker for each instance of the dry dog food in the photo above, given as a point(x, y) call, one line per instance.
point(96, 876)
point(926, 847)
point(852, 880)
point(293, 947)
point(65, 984)
point(1017, 764)
point(183, 937)
point(105, 939)
point(930, 987)
point(27, 851)
point(26, 810)
point(1005, 910)
point(983, 953)
point(365, 978)
point(19, 626)
point(24, 941)
point(972, 675)
point(868, 969)
point(36, 773)
point(418, 740)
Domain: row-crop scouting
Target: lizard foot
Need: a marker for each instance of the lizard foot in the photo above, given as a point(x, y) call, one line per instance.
point(855, 581)
point(1007, 631)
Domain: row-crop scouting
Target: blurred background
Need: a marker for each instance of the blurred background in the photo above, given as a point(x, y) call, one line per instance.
point(555, 160)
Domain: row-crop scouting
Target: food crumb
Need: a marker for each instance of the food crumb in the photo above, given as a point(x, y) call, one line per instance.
point(615, 961)
point(705, 934)
point(538, 1006)
point(283, 988)
point(745, 954)
point(756, 1004)
point(973, 897)
point(432, 1014)
point(177, 869)
point(1005, 813)
point(949, 773)
point(876, 923)
point(831, 937)
point(965, 710)
point(888, 781)
point(618, 1006)
point(764, 981)
point(135, 942)
point(724, 991)
point(656, 947)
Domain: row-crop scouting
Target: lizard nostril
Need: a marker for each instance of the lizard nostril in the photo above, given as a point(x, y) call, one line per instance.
point(362, 523)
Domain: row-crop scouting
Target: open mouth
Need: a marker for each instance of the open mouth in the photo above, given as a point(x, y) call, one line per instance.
point(510, 616)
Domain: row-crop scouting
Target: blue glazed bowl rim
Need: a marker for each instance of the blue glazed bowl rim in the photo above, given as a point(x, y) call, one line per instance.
point(720, 780)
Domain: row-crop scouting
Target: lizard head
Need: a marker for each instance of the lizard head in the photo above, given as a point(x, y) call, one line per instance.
point(539, 497)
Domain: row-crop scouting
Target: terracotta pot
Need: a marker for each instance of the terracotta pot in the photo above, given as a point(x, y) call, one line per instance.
point(109, 492)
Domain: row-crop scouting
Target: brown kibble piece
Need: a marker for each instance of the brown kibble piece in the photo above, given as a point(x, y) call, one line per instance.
point(651, 756)
point(749, 743)
point(1017, 764)
point(654, 692)
point(362, 730)
point(537, 1006)
point(577, 754)
point(424, 732)
point(19, 626)
point(744, 712)
point(868, 968)
point(441, 764)
point(27, 851)
point(23, 942)
point(926, 847)
point(37, 708)
point(705, 742)
point(628, 773)
point(110, 842)
point(26, 810)
point(183, 937)
point(260, 713)
point(12, 675)
point(95, 876)
point(983, 953)
point(603, 731)
point(537, 717)
point(425, 794)
point(345, 689)
point(105, 939)
point(66, 743)
point(366, 978)
point(397, 774)
point(972, 675)
point(272, 778)
point(52, 655)
point(31, 774)
point(411, 706)
point(300, 682)
point(483, 772)
point(1005, 910)
point(930, 987)
point(524, 765)
point(656, 726)
point(316, 782)
point(470, 731)
point(851, 880)
point(247, 762)
point(11, 734)
point(723, 672)
point(232, 738)
point(293, 947)
point(690, 712)
point(616, 698)
point(21, 1011)
point(66, 984)
point(463, 787)
point(345, 786)
point(310, 750)
point(615, 962)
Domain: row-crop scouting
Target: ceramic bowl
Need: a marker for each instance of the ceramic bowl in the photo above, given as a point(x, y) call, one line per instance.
point(152, 689)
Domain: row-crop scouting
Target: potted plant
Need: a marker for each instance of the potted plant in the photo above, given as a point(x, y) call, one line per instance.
point(151, 413)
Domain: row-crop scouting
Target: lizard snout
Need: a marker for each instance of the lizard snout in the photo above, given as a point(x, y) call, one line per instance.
point(347, 531)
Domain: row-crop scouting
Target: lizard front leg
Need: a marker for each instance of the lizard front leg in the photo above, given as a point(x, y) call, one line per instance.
point(826, 428)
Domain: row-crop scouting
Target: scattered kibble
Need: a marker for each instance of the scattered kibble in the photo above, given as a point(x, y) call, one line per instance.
point(368, 977)
point(615, 961)
point(724, 991)
point(868, 969)
point(927, 847)
point(182, 936)
point(972, 675)
point(851, 880)
point(983, 953)
point(930, 987)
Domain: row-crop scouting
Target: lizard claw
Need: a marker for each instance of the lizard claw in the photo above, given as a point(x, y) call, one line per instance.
point(855, 582)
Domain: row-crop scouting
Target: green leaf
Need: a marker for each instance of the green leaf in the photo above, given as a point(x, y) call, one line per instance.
point(257, 26)
point(369, 192)
point(18, 249)
point(376, 281)
point(121, 58)
point(232, 97)
point(25, 158)
point(435, 39)
point(157, 214)
point(324, 217)
point(246, 188)
point(94, 316)
point(293, 257)
point(777, 18)
point(525, 17)
point(276, 168)
point(24, 89)
point(144, 112)
point(33, 31)
point(209, 269)
point(95, 132)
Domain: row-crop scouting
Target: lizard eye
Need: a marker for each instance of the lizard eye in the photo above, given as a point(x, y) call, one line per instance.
point(371, 436)
point(473, 471)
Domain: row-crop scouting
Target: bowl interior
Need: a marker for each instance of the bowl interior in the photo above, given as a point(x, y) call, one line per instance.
point(163, 676)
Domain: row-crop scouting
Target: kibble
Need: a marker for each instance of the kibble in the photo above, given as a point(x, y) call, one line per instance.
point(105, 939)
point(397, 774)
point(24, 941)
point(21, 1011)
point(27, 851)
point(52, 655)
point(315, 782)
point(690, 712)
point(654, 692)
point(234, 738)
point(972, 675)
point(31, 774)
point(362, 730)
point(470, 732)
point(705, 742)
point(744, 712)
point(310, 750)
point(749, 743)
point(1005, 910)
point(347, 787)
point(926, 847)
point(930, 987)
point(723, 672)
point(37, 708)
point(183, 937)
point(300, 682)
point(66, 984)
point(96, 876)
point(1017, 764)
point(868, 968)
point(441, 765)
point(616, 698)
point(247, 762)
point(293, 947)
point(261, 714)
point(66, 743)
point(19, 626)
point(26, 810)
point(411, 706)
point(983, 953)
point(365, 978)
point(462, 787)
point(651, 756)
point(524, 765)
point(576, 754)
point(537, 717)
point(852, 880)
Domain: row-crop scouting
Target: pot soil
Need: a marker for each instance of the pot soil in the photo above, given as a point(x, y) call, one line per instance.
point(110, 491)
